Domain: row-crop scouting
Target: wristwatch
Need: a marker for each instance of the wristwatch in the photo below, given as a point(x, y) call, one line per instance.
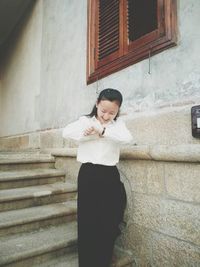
point(103, 131)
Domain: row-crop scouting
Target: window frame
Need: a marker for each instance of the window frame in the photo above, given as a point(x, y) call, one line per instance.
point(130, 52)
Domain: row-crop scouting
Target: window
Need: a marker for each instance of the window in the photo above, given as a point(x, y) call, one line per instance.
point(123, 32)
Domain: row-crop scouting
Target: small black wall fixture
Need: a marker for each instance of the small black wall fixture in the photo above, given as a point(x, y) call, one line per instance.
point(195, 119)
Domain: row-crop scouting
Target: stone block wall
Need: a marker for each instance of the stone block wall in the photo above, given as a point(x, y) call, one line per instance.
point(161, 126)
point(163, 211)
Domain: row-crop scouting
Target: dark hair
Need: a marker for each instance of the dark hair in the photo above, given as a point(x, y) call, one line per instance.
point(107, 94)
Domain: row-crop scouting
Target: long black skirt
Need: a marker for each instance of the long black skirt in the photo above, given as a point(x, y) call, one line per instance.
point(101, 203)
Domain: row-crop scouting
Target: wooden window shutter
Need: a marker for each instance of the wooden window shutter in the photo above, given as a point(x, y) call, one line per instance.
point(107, 41)
point(123, 32)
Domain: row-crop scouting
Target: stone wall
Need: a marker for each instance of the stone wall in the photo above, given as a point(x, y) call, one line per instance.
point(166, 126)
point(164, 214)
point(163, 211)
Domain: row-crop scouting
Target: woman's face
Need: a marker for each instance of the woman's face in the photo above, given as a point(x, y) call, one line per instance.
point(107, 111)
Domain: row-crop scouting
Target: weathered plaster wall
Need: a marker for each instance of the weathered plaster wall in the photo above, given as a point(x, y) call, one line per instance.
point(21, 76)
point(63, 93)
point(43, 79)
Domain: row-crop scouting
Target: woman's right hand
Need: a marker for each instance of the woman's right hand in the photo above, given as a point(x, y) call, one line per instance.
point(89, 131)
point(93, 130)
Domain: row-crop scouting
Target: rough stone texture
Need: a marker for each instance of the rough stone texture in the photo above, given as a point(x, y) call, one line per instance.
point(44, 140)
point(182, 152)
point(70, 260)
point(16, 179)
point(137, 239)
point(26, 163)
point(70, 165)
point(173, 218)
point(135, 152)
point(18, 142)
point(34, 218)
point(182, 181)
point(168, 126)
point(162, 214)
point(51, 139)
point(34, 140)
point(144, 176)
point(33, 228)
point(171, 252)
point(47, 240)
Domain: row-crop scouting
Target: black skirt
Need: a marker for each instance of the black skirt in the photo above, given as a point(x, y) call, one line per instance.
point(101, 203)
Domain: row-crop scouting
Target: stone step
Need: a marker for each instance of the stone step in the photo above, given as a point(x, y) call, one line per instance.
point(122, 259)
point(26, 163)
point(22, 178)
point(24, 154)
point(29, 219)
point(70, 260)
point(27, 249)
point(19, 198)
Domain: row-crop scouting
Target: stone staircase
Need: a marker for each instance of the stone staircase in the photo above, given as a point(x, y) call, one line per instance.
point(38, 214)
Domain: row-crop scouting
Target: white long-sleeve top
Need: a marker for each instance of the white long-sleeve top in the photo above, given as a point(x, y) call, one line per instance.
point(103, 150)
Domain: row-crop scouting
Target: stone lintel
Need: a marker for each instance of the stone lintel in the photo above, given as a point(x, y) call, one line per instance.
point(178, 153)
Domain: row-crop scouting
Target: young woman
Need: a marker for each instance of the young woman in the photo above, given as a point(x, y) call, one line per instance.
point(101, 195)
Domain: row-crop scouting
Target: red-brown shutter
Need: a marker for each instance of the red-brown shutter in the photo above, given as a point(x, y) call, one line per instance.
point(108, 36)
point(113, 43)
